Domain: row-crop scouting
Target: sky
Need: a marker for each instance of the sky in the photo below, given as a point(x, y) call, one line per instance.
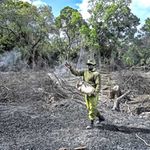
point(141, 8)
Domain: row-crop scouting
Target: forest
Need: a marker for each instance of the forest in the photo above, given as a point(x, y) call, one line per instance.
point(112, 33)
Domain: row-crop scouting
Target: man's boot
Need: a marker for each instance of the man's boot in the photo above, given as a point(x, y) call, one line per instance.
point(91, 125)
point(100, 119)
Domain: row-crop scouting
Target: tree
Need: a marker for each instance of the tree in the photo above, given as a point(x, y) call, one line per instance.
point(69, 23)
point(114, 25)
point(26, 27)
point(138, 52)
point(144, 46)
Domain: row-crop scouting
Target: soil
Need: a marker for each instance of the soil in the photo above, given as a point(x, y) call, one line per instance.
point(39, 113)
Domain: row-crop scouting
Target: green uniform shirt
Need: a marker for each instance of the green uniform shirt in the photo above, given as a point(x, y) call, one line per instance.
point(91, 77)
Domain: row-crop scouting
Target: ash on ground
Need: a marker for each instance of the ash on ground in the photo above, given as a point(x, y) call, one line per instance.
point(41, 111)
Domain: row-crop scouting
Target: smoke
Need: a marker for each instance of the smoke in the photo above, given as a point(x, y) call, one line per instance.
point(61, 70)
point(11, 61)
point(81, 64)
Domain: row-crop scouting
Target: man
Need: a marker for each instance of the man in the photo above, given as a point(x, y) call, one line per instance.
point(92, 77)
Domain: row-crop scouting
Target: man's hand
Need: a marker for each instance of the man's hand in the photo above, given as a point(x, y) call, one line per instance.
point(67, 65)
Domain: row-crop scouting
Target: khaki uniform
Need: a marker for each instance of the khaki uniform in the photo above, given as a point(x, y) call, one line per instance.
point(94, 79)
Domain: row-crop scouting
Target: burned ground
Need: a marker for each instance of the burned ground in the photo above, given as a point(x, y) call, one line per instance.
point(41, 112)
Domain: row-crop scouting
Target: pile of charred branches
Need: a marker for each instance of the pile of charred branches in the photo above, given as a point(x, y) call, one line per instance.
point(22, 87)
point(139, 82)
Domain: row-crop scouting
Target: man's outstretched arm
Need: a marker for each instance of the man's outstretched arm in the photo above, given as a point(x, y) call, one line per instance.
point(74, 71)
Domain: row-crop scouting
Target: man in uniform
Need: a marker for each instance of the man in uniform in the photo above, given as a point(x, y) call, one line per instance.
point(92, 77)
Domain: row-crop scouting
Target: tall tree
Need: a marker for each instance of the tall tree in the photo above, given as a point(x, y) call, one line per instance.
point(69, 23)
point(113, 24)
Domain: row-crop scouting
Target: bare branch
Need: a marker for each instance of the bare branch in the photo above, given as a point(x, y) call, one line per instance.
point(143, 140)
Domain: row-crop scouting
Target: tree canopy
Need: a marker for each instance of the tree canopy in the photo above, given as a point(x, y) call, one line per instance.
point(111, 31)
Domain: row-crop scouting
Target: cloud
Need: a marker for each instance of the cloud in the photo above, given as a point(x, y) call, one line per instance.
point(83, 8)
point(29, 1)
point(38, 3)
point(142, 3)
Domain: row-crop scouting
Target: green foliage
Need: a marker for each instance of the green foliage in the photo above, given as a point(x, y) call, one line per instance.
point(71, 24)
point(26, 27)
point(136, 55)
point(113, 23)
point(144, 44)
point(131, 56)
point(110, 32)
point(146, 26)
